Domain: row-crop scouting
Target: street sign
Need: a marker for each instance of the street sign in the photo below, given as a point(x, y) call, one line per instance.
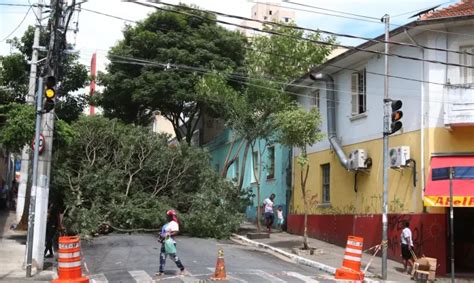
point(41, 144)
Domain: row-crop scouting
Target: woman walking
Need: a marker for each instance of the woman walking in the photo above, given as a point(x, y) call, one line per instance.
point(168, 244)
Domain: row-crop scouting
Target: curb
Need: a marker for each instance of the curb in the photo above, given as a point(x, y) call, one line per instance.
point(296, 258)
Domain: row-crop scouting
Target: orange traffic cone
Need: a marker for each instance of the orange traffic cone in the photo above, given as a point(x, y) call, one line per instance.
point(220, 274)
point(350, 269)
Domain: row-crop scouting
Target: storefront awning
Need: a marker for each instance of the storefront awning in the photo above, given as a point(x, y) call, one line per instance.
point(437, 188)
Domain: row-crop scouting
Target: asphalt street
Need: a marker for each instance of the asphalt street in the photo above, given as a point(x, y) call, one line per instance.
point(135, 258)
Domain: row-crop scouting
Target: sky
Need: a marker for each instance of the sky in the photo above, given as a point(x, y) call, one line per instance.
point(97, 33)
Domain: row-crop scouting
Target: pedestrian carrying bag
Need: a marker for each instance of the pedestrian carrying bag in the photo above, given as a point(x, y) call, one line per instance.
point(170, 248)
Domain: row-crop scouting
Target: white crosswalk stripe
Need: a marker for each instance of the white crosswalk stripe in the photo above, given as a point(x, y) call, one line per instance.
point(141, 276)
point(268, 276)
point(98, 278)
point(304, 278)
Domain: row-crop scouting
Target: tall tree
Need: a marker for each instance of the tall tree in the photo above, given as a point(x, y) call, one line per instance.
point(300, 128)
point(271, 63)
point(139, 82)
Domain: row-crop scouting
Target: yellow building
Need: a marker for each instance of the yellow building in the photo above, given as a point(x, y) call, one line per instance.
point(435, 82)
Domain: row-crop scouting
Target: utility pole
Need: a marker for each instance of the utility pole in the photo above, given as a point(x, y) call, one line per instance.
point(30, 99)
point(451, 220)
point(34, 190)
point(47, 126)
point(386, 128)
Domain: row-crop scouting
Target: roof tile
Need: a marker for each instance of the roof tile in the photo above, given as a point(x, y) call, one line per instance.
point(463, 8)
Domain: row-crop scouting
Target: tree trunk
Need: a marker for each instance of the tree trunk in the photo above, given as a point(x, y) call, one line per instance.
point(23, 224)
point(305, 223)
point(304, 178)
point(259, 210)
point(244, 161)
point(229, 161)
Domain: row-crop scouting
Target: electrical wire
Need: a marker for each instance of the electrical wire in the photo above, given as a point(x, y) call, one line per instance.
point(14, 5)
point(328, 10)
point(378, 22)
point(144, 62)
point(108, 15)
point(18, 26)
point(333, 33)
point(272, 32)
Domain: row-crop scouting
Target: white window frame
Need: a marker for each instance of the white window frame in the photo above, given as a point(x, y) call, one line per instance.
point(467, 74)
point(316, 98)
point(359, 92)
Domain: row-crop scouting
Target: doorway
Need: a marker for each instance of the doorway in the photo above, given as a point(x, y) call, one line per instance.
point(463, 240)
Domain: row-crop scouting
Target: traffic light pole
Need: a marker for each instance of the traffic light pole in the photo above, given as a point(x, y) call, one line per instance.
point(30, 99)
point(32, 215)
point(386, 126)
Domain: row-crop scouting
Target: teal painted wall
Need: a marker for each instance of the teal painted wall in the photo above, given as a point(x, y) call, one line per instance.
point(279, 184)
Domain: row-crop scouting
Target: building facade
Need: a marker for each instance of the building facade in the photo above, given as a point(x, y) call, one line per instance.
point(267, 12)
point(345, 183)
point(270, 161)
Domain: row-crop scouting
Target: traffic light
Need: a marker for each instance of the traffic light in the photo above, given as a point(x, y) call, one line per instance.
point(50, 94)
point(397, 114)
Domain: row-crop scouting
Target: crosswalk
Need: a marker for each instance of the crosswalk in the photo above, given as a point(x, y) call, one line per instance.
point(245, 276)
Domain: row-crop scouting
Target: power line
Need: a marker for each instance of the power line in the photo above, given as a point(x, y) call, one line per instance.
point(145, 62)
point(18, 26)
point(14, 5)
point(371, 21)
point(108, 15)
point(289, 57)
point(336, 33)
point(329, 10)
point(295, 37)
point(421, 9)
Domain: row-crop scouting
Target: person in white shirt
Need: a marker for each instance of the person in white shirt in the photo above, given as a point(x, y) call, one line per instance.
point(280, 220)
point(170, 229)
point(269, 216)
point(406, 240)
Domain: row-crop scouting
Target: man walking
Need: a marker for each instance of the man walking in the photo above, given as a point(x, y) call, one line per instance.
point(406, 239)
point(269, 216)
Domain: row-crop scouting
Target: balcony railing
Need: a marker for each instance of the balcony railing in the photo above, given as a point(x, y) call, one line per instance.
point(459, 105)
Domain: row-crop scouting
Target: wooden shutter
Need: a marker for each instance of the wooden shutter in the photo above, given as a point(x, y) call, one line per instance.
point(355, 93)
point(467, 74)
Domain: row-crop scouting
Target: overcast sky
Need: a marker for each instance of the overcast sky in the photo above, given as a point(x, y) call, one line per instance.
point(98, 33)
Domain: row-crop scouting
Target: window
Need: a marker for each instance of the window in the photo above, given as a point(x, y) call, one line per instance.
point(217, 167)
point(286, 19)
point(316, 98)
point(254, 165)
point(358, 89)
point(270, 12)
point(467, 74)
point(326, 178)
point(265, 18)
point(271, 163)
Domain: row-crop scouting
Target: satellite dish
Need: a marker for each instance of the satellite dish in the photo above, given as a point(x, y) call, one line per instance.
point(424, 11)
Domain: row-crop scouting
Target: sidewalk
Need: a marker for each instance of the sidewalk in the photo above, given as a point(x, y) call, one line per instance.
point(12, 251)
point(327, 254)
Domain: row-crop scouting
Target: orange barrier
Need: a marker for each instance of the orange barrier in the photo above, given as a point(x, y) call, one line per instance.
point(220, 273)
point(69, 261)
point(350, 269)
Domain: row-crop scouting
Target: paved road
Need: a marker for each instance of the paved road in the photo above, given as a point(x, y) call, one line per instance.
point(134, 258)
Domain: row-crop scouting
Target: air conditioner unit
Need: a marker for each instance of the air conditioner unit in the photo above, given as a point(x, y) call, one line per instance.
point(357, 159)
point(399, 156)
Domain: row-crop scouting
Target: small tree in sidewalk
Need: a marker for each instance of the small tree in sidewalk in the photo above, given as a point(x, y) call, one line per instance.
point(300, 128)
